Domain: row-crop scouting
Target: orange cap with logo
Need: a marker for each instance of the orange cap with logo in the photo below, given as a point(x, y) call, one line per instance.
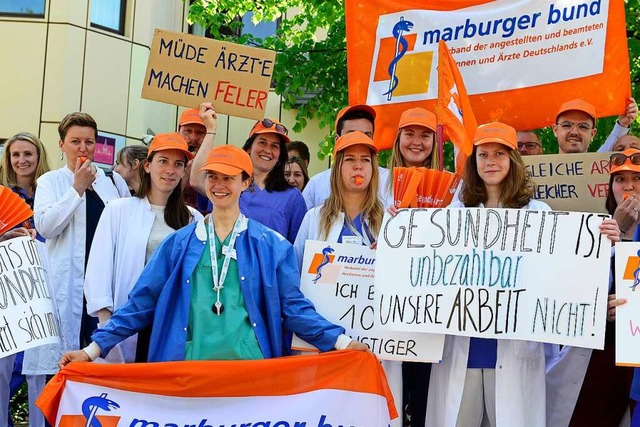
point(351, 139)
point(169, 141)
point(496, 132)
point(358, 107)
point(625, 161)
point(270, 126)
point(418, 117)
point(577, 105)
point(229, 160)
point(190, 117)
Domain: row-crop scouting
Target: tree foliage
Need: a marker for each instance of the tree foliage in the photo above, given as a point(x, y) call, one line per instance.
point(315, 68)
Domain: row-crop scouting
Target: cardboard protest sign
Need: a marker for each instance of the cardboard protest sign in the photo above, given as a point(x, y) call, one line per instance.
point(338, 279)
point(187, 70)
point(392, 55)
point(494, 273)
point(628, 315)
point(27, 317)
point(570, 182)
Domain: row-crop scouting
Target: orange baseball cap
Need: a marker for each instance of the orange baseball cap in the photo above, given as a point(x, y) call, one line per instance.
point(624, 161)
point(270, 126)
point(357, 107)
point(578, 105)
point(169, 141)
point(353, 138)
point(189, 117)
point(418, 117)
point(496, 132)
point(229, 160)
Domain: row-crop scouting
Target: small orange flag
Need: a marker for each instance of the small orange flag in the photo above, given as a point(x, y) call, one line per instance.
point(453, 109)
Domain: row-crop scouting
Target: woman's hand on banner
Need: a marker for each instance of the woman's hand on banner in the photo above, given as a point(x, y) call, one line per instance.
point(609, 229)
point(73, 356)
point(612, 303)
point(630, 113)
point(357, 345)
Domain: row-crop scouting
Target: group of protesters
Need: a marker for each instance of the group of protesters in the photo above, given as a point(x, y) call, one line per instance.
point(188, 236)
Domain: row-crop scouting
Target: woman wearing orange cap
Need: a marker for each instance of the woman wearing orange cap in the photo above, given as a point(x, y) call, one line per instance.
point(226, 273)
point(584, 385)
point(131, 229)
point(270, 199)
point(466, 387)
point(413, 146)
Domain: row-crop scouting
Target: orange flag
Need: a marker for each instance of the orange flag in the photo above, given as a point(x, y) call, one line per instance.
point(453, 108)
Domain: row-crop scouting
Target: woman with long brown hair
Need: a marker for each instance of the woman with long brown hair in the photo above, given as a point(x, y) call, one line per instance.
point(131, 229)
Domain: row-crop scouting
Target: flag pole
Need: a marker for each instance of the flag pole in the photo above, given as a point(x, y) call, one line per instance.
point(439, 138)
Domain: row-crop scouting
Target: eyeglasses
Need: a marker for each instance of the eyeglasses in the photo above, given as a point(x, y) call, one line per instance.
point(618, 159)
point(568, 126)
point(268, 124)
point(528, 145)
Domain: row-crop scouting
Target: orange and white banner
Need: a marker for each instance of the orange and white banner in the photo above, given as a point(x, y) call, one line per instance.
point(520, 59)
point(345, 388)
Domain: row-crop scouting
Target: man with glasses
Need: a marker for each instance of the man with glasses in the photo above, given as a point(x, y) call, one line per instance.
point(352, 118)
point(575, 126)
point(529, 143)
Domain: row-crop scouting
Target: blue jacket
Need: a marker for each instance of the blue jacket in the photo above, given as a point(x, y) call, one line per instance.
point(270, 283)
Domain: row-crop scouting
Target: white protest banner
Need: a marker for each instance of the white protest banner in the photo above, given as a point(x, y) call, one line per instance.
point(338, 279)
point(342, 388)
point(27, 317)
point(576, 182)
point(187, 70)
point(494, 273)
point(628, 315)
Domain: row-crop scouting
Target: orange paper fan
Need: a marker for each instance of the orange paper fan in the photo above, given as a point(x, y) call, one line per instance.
point(13, 210)
point(424, 188)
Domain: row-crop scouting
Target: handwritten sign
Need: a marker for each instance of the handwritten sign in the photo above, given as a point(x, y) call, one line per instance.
point(338, 279)
point(628, 315)
point(571, 182)
point(187, 70)
point(27, 317)
point(494, 273)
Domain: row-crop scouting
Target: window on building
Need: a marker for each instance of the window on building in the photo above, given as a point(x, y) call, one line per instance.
point(109, 15)
point(31, 8)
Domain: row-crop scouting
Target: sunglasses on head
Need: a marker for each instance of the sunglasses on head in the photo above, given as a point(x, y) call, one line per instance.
point(618, 159)
point(268, 124)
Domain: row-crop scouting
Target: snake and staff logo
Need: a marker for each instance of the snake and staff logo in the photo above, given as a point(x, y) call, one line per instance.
point(318, 264)
point(632, 271)
point(407, 72)
point(90, 417)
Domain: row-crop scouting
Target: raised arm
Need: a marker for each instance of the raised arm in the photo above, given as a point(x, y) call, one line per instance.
point(210, 119)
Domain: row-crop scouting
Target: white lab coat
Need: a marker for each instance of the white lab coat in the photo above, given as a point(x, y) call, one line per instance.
point(520, 377)
point(118, 257)
point(310, 230)
point(60, 217)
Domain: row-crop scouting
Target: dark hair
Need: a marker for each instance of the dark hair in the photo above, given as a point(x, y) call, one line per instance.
point(176, 214)
point(301, 148)
point(275, 178)
point(352, 115)
point(610, 204)
point(76, 119)
point(517, 189)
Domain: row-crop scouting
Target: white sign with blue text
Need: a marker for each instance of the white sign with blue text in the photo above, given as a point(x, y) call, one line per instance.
point(534, 275)
point(338, 279)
